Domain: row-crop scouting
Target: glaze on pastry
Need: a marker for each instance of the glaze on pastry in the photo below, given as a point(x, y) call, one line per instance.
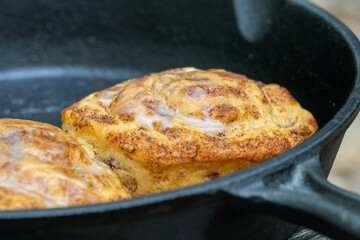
point(184, 126)
point(42, 167)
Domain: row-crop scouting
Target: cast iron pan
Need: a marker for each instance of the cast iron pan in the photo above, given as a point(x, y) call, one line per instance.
point(53, 53)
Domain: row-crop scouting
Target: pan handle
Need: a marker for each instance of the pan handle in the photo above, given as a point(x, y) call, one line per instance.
point(300, 193)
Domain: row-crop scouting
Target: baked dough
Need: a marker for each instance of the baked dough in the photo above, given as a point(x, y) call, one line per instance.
point(41, 167)
point(185, 126)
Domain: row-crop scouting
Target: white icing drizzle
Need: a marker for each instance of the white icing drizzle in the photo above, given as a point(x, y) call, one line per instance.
point(92, 169)
point(165, 110)
point(207, 125)
point(151, 90)
point(165, 115)
point(107, 97)
point(146, 120)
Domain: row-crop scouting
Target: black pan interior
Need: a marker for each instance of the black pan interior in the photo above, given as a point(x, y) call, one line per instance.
point(53, 53)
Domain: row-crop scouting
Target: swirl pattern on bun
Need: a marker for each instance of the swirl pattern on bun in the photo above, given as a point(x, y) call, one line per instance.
point(184, 126)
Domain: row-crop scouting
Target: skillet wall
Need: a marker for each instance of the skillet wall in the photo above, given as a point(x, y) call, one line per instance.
point(83, 46)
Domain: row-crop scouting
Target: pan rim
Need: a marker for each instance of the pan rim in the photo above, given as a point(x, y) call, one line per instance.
point(342, 119)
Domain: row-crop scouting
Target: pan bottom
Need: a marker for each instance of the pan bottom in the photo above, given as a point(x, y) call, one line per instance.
point(41, 93)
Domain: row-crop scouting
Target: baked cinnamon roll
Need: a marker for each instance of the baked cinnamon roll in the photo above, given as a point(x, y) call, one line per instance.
point(184, 126)
point(41, 167)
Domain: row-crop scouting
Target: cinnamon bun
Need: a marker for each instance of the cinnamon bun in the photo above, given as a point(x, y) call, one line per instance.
point(185, 126)
point(43, 167)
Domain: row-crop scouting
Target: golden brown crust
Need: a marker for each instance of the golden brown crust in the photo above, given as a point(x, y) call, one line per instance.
point(41, 166)
point(155, 129)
